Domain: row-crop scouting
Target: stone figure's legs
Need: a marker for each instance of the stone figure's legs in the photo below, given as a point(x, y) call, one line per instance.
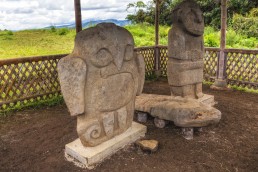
point(187, 91)
point(198, 90)
point(190, 91)
point(176, 91)
point(183, 91)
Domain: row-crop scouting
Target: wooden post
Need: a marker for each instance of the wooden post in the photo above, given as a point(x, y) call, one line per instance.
point(156, 51)
point(221, 69)
point(157, 23)
point(78, 16)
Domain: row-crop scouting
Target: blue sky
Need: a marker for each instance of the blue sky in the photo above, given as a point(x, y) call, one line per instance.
point(27, 14)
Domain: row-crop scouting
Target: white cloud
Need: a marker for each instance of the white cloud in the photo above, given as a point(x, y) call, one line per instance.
point(27, 14)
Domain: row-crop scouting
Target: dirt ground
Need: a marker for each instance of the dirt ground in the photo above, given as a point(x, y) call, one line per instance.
point(34, 140)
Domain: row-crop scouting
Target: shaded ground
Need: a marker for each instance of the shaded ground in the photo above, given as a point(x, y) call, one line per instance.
point(34, 140)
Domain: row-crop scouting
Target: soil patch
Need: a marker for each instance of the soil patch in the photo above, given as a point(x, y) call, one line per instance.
point(34, 140)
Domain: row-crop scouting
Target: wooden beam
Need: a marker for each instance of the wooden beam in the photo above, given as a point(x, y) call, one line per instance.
point(221, 79)
point(222, 65)
point(78, 16)
point(157, 23)
point(223, 24)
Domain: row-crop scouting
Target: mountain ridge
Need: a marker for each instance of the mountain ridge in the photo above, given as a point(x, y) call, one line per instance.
point(92, 22)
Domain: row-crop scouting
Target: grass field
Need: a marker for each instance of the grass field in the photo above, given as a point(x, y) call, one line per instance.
point(59, 41)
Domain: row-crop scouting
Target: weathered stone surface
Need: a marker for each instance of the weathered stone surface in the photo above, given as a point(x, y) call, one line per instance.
point(160, 123)
point(185, 73)
point(100, 80)
point(187, 133)
point(148, 145)
point(186, 51)
point(182, 111)
point(142, 117)
point(88, 157)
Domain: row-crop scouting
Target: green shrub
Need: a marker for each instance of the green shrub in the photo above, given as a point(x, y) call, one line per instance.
point(208, 30)
point(63, 31)
point(247, 25)
point(9, 32)
point(212, 39)
point(232, 37)
point(53, 29)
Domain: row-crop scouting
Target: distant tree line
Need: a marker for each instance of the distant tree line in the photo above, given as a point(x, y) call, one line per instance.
point(146, 12)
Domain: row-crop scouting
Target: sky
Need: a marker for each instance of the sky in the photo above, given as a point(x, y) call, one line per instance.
point(29, 14)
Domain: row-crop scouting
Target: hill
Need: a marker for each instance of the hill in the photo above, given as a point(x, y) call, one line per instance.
point(92, 22)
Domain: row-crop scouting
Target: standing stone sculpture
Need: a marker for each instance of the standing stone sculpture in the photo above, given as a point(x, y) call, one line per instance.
point(186, 51)
point(100, 80)
point(187, 106)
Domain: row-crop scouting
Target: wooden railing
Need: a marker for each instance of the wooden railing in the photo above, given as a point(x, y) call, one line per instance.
point(24, 80)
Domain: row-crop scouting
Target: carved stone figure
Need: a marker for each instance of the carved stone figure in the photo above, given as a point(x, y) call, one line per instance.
point(186, 51)
point(100, 80)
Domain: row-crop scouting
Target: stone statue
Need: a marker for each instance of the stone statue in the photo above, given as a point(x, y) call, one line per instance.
point(100, 80)
point(186, 51)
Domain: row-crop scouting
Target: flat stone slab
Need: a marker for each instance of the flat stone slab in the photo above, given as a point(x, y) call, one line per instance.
point(90, 156)
point(207, 99)
point(182, 111)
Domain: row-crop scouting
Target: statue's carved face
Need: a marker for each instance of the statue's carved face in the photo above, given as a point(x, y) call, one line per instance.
point(190, 17)
point(106, 45)
point(192, 20)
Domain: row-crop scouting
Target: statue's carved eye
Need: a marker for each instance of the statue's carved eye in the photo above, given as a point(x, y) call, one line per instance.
point(128, 52)
point(102, 59)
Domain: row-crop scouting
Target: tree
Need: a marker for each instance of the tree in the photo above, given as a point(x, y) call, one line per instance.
point(210, 8)
point(246, 24)
point(139, 14)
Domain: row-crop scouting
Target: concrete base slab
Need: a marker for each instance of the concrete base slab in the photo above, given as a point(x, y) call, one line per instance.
point(91, 156)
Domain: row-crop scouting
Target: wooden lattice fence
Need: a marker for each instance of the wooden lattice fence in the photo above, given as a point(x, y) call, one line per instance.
point(242, 68)
point(210, 64)
point(149, 58)
point(25, 80)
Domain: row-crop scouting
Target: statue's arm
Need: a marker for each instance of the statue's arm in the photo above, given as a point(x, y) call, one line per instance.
point(72, 77)
point(141, 71)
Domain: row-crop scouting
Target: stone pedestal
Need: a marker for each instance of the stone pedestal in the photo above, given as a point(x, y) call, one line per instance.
point(89, 156)
point(186, 113)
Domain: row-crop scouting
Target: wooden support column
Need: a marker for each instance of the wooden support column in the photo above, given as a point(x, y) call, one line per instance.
point(156, 51)
point(78, 16)
point(221, 80)
point(157, 23)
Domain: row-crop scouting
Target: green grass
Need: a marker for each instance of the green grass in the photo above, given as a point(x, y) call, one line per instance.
point(35, 104)
point(59, 41)
point(239, 88)
point(35, 43)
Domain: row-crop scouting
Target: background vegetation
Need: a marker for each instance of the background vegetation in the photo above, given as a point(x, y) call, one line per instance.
point(242, 29)
point(59, 41)
point(141, 12)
